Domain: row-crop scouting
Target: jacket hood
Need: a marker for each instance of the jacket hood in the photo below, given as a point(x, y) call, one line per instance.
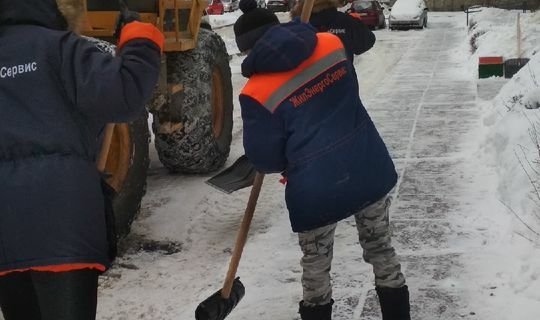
point(44, 13)
point(282, 48)
point(324, 17)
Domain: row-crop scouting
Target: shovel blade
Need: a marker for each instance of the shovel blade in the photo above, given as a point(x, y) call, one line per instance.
point(239, 175)
point(218, 308)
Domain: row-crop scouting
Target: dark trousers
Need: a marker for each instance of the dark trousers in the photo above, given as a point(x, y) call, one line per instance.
point(34, 295)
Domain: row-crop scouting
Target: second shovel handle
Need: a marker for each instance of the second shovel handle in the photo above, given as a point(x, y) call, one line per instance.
point(241, 237)
point(306, 10)
point(105, 147)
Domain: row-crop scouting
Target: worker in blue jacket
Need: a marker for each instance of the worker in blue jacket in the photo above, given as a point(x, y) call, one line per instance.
point(325, 17)
point(302, 117)
point(57, 92)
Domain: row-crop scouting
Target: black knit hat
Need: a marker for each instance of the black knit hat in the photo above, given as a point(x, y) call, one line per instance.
point(253, 24)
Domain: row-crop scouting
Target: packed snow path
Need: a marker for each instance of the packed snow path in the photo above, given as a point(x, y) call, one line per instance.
point(415, 87)
point(426, 112)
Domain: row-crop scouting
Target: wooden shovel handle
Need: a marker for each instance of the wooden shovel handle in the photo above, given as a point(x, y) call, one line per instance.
point(105, 146)
point(242, 235)
point(306, 10)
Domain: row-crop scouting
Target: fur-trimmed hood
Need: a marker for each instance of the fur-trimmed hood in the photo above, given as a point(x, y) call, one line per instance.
point(53, 14)
point(72, 10)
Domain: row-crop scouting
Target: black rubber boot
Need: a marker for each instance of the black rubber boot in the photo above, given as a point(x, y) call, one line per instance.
point(394, 303)
point(323, 312)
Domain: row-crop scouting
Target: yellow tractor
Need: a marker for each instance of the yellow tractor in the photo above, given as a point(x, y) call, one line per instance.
point(192, 106)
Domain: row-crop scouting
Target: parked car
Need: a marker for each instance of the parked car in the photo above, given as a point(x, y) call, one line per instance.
point(279, 5)
point(215, 7)
point(230, 5)
point(408, 14)
point(369, 12)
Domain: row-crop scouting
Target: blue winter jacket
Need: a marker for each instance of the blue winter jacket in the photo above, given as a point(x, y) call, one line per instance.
point(302, 116)
point(57, 91)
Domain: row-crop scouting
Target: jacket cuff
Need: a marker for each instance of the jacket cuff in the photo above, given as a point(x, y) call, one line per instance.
point(137, 30)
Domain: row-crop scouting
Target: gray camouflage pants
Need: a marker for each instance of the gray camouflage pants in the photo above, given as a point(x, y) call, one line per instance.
point(318, 247)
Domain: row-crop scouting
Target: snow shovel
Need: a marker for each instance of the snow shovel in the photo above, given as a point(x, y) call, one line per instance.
point(238, 176)
point(242, 173)
point(220, 304)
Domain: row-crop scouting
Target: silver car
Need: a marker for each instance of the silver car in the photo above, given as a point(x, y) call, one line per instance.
point(407, 14)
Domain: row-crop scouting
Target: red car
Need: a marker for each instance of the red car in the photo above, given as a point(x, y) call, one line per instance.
point(370, 12)
point(215, 7)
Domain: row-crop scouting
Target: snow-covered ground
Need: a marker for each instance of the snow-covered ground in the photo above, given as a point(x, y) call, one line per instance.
point(465, 254)
point(459, 244)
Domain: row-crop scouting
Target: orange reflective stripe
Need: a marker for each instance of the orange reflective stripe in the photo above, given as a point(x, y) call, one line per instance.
point(136, 29)
point(269, 89)
point(303, 77)
point(355, 15)
point(59, 268)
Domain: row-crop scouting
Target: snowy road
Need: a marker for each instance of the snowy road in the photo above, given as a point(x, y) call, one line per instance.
point(416, 88)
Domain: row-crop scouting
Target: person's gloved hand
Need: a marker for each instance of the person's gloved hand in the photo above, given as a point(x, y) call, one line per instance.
point(129, 27)
point(124, 17)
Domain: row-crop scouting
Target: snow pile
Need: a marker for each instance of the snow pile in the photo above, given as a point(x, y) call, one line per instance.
point(513, 144)
point(514, 124)
point(493, 32)
point(514, 119)
point(224, 20)
point(523, 90)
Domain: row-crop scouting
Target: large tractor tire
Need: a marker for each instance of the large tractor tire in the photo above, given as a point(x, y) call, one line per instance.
point(193, 130)
point(127, 163)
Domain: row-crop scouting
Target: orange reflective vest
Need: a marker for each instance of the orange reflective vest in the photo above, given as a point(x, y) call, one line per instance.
point(271, 89)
